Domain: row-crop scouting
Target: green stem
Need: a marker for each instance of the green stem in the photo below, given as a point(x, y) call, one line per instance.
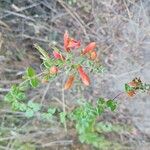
point(42, 51)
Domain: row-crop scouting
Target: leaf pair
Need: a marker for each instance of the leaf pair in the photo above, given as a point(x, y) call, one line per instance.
point(32, 77)
point(32, 107)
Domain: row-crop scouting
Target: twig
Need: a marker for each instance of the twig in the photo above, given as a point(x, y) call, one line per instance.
point(20, 15)
point(6, 27)
point(10, 82)
point(38, 75)
point(4, 90)
point(129, 14)
point(62, 142)
point(47, 5)
point(55, 98)
point(63, 100)
point(7, 138)
point(75, 16)
point(21, 9)
point(45, 92)
point(8, 112)
point(125, 73)
point(118, 95)
point(4, 148)
point(34, 38)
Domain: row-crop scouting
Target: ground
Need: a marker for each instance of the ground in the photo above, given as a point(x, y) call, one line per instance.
point(121, 29)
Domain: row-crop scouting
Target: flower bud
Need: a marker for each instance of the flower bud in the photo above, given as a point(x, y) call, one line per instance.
point(53, 70)
point(69, 82)
point(131, 93)
point(93, 55)
point(84, 77)
point(58, 55)
point(90, 47)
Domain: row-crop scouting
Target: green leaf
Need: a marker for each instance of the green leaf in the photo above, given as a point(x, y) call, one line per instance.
point(29, 113)
point(101, 105)
point(128, 88)
point(30, 72)
point(8, 97)
point(49, 114)
point(111, 104)
point(14, 90)
point(101, 101)
point(63, 117)
point(34, 106)
point(15, 105)
point(21, 96)
point(47, 64)
point(46, 116)
point(89, 137)
point(58, 62)
point(104, 127)
point(34, 82)
point(51, 110)
point(82, 138)
point(22, 107)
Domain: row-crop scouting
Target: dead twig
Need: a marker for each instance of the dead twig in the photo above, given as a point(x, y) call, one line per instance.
point(21, 9)
point(45, 92)
point(62, 142)
point(20, 15)
point(33, 38)
point(47, 5)
point(75, 16)
point(4, 90)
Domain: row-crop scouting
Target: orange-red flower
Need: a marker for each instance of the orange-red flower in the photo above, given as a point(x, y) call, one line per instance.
point(69, 82)
point(84, 77)
point(93, 55)
point(131, 93)
point(133, 84)
point(90, 47)
point(70, 42)
point(53, 70)
point(58, 55)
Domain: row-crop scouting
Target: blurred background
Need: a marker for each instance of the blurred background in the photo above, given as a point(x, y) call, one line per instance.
point(121, 29)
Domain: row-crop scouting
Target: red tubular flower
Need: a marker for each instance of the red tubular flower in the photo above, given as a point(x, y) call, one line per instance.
point(90, 47)
point(69, 82)
point(84, 77)
point(70, 42)
point(53, 70)
point(58, 55)
point(73, 43)
point(66, 41)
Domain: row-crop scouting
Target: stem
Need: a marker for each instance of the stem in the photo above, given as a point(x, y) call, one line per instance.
point(64, 108)
point(46, 90)
point(21, 84)
point(117, 95)
point(41, 50)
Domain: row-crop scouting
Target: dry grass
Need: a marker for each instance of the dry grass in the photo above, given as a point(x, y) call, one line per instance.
point(121, 29)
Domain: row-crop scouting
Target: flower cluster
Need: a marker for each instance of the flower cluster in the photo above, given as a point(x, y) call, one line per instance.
point(135, 85)
point(69, 44)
